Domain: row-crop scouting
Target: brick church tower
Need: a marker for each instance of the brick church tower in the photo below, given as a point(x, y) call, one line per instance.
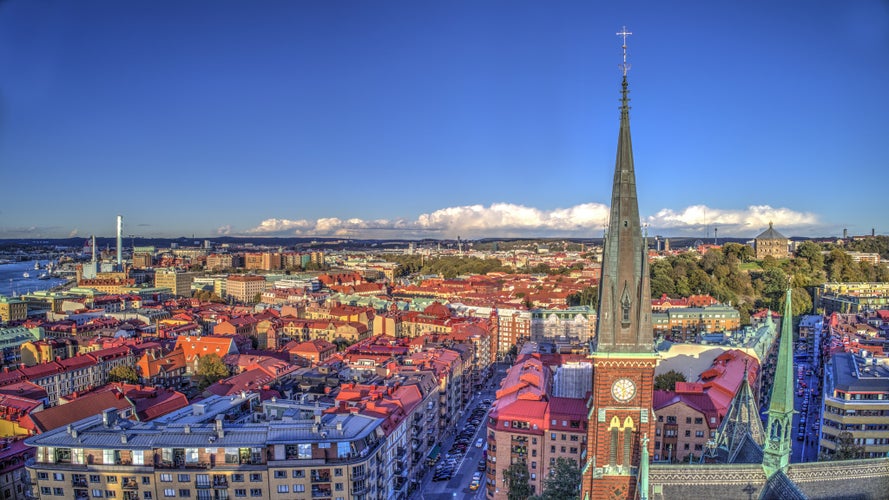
point(620, 406)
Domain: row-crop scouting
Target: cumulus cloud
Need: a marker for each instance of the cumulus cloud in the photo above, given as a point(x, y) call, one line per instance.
point(748, 221)
point(512, 220)
point(73, 233)
point(224, 230)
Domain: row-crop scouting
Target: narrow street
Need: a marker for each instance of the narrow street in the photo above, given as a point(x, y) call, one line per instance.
point(467, 465)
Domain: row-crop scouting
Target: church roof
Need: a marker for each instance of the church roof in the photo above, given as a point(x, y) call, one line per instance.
point(770, 234)
point(740, 435)
point(780, 487)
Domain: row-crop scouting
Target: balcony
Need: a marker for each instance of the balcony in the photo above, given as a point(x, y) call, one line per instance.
point(79, 482)
point(359, 489)
point(202, 484)
point(320, 478)
point(220, 482)
point(130, 484)
point(81, 494)
point(320, 493)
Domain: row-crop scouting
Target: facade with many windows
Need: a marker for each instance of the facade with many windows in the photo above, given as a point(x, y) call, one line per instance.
point(219, 449)
point(856, 400)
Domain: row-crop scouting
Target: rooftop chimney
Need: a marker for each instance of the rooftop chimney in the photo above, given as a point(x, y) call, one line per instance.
point(119, 241)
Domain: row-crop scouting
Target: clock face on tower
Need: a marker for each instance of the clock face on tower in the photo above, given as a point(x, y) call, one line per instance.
point(623, 390)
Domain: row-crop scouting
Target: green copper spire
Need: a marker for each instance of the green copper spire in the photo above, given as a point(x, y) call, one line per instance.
point(776, 453)
point(624, 312)
point(642, 490)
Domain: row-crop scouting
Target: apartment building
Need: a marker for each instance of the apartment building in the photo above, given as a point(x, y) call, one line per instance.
point(244, 288)
point(218, 449)
point(12, 309)
point(683, 324)
point(534, 423)
point(856, 400)
point(177, 281)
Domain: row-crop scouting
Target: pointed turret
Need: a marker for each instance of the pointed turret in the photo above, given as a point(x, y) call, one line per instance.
point(776, 455)
point(624, 322)
point(740, 436)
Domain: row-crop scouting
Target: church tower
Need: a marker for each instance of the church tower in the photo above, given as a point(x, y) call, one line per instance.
point(777, 448)
point(620, 406)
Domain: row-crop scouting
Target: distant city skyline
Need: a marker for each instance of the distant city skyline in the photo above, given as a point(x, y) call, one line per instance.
point(402, 120)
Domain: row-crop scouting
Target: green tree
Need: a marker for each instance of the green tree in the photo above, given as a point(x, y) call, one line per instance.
point(123, 374)
point(518, 481)
point(589, 296)
point(667, 381)
point(563, 481)
point(846, 447)
point(210, 370)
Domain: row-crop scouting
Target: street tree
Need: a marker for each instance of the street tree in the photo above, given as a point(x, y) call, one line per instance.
point(563, 481)
point(518, 482)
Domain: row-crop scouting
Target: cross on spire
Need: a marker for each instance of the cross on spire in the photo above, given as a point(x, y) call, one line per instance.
point(624, 33)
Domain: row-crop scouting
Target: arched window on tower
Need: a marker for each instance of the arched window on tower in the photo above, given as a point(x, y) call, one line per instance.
point(625, 307)
point(628, 442)
point(614, 427)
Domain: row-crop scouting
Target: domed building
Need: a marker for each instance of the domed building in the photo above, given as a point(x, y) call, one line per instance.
point(771, 242)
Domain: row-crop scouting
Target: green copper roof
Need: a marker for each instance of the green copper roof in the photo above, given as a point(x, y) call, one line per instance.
point(777, 449)
point(624, 320)
point(782, 390)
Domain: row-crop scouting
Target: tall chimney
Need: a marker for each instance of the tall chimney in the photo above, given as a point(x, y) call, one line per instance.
point(94, 248)
point(119, 241)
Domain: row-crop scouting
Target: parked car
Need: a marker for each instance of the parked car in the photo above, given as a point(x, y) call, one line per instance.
point(479, 442)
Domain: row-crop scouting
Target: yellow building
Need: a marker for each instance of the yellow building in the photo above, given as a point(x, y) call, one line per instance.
point(12, 309)
point(179, 282)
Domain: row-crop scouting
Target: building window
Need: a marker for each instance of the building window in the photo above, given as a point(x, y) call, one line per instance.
point(237, 478)
point(146, 480)
point(169, 492)
point(255, 477)
point(166, 478)
point(280, 474)
point(58, 476)
point(184, 493)
point(255, 492)
point(299, 474)
point(59, 492)
point(240, 492)
point(283, 488)
point(299, 488)
point(146, 495)
point(97, 494)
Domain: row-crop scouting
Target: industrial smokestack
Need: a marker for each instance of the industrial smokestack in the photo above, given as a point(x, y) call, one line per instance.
point(119, 240)
point(93, 245)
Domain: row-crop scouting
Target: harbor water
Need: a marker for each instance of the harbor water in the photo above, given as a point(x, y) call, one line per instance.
point(14, 282)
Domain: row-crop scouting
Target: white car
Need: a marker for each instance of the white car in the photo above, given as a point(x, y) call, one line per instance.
point(479, 442)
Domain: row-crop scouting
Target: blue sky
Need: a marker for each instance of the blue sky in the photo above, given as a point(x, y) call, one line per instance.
point(437, 119)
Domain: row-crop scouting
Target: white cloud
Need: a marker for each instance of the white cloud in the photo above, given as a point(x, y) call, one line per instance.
point(731, 222)
point(73, 233)
point(511, 220)
point(224, 230)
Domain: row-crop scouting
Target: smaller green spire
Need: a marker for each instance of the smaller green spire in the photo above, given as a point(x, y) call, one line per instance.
point(776, 455)
point(642, 492)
